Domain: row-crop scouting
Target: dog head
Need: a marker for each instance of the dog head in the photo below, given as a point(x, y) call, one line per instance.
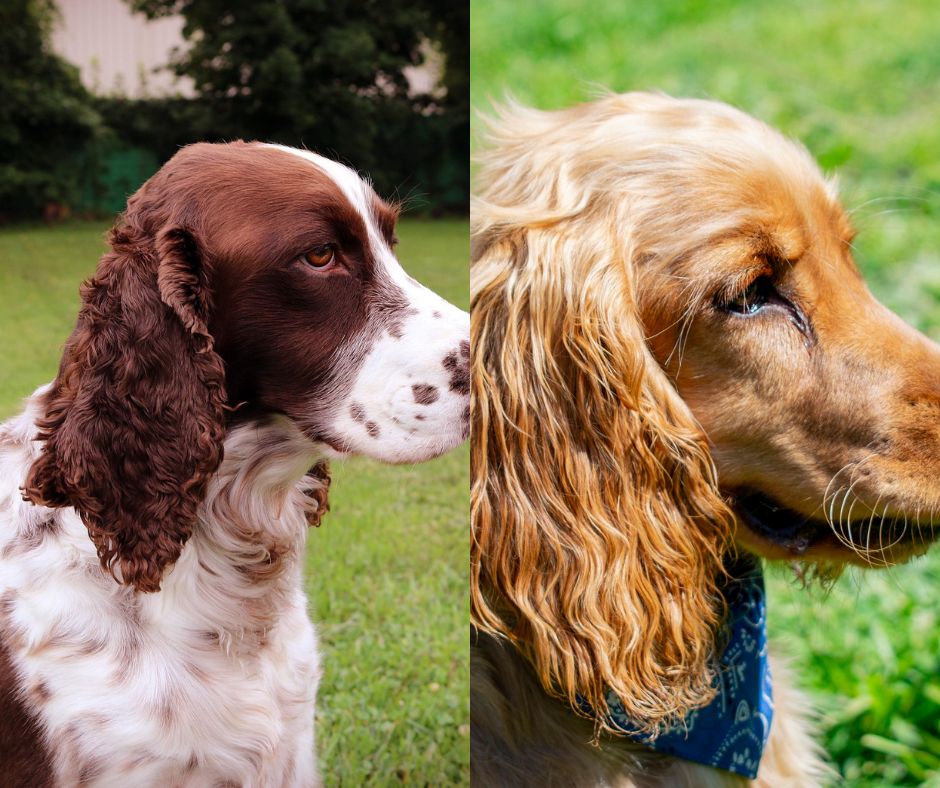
point(245, 280)
point(674, 352)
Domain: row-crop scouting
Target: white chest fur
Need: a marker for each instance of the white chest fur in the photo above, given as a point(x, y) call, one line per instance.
point(210, 681)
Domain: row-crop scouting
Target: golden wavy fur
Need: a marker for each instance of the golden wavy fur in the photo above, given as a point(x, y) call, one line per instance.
point(660, 288)
point(578, 437)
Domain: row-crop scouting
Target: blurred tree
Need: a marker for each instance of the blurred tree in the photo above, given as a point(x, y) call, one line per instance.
point(448, 175)
point(329, 75)
point(45, 114)
point(451, 29)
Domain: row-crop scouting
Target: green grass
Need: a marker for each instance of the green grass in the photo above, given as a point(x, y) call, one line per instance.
point(387, 570)
point(859, 83)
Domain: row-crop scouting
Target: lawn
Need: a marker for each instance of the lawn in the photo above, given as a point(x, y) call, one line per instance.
point(859, 83)
point(387, 570)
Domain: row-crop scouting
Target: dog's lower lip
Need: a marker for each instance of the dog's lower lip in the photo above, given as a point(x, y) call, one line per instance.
point(798, 533)
point(791, 530)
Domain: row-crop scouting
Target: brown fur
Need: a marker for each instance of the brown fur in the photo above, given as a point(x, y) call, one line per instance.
point(626, 412)
point(201, 316)
point(24, 759)
point(137, 407)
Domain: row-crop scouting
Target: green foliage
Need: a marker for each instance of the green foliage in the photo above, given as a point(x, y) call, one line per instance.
point(290, 61)
point(450, 27)
point(45, 113)
point(307, 73)
point(859, 83)
point(386, 571)
point(161, 125)
point(870, 652)
point(329, 76)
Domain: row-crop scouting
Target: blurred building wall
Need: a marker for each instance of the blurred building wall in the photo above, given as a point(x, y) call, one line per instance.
point(117, 50)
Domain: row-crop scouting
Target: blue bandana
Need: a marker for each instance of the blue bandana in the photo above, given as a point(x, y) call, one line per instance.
point(731, 731)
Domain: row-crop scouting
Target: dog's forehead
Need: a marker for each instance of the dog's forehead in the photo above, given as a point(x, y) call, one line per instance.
point(353, 187)
point(237, 181)
point(378, 217)
point(770, 211)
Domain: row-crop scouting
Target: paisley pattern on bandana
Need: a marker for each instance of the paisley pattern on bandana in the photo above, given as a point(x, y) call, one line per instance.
point(730, 732)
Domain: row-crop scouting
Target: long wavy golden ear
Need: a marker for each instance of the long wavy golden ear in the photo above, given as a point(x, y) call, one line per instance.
point(597, 527)
point(134, 422)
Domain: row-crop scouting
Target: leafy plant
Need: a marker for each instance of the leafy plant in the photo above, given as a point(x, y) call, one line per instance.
point(45, 113)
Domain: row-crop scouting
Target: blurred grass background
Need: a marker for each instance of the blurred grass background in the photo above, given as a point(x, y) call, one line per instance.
point(387, 570)
point(859, 83)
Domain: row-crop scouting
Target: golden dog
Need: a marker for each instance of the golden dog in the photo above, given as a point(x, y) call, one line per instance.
point(675, 358)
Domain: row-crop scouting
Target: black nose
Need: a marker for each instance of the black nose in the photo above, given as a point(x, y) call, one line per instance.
point(457, 363)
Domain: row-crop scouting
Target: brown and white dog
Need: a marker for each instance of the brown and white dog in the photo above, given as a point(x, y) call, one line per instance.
point(675, 357)
point(250, 322)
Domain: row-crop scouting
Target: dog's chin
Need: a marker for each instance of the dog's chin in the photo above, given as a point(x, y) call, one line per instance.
point(772, 530)
point(402, 449)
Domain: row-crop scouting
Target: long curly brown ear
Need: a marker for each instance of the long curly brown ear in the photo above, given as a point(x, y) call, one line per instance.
point(134, 421)
point(597, 526)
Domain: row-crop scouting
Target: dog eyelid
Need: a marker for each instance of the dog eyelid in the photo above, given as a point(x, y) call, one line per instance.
point(751, 299)
point(761, 293)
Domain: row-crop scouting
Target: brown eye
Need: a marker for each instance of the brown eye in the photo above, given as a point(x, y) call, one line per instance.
point(320, 257)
